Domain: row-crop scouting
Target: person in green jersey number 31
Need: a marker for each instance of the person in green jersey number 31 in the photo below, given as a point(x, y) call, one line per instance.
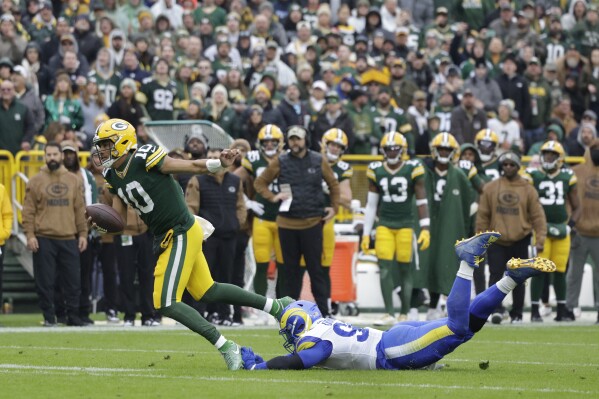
point(141, 177)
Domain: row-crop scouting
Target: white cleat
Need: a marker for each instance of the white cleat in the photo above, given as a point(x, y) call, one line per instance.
point(387, 320)
point(413, 315)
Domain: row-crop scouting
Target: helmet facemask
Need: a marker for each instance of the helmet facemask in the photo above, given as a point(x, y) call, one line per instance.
point(393, 154)
point(443, 160)
point(549, 160)
point(99, 159)
point(486, 149)
point(270, 147)
point(339, 150)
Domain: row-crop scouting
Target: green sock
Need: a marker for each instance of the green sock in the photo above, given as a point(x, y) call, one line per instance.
point(387, 284)
point(559, 285)
point(536, 287)
point(406, 282)
point(191, 319)
point(260, 279)
point(234, 295)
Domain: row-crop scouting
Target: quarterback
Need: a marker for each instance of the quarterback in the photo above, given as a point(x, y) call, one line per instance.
point(141, 178)
point(332, 344)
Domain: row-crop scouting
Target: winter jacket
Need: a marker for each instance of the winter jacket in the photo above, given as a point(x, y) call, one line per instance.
point(588, 192)
point(516, 89)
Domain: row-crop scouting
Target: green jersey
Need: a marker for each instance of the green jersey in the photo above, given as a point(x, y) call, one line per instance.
point(490, 171)
point(553, 192)
point(157, 198)
point(396, 189)
point(109, 86)
point(160, 104)
point(342, 171)
point(255, 163)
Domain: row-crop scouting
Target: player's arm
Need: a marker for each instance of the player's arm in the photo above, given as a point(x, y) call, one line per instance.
point(575, 205)
point(345, 194)
point(199, 166)
point(120, 207)
point(372, 202)
point(301, 360)
point(422, 204)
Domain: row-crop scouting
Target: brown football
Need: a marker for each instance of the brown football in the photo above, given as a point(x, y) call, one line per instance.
point(106, 217)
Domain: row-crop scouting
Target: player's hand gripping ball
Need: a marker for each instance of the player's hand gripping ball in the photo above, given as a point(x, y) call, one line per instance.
point(104, 218)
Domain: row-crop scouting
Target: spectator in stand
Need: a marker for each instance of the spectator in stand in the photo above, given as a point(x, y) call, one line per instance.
point(158, 93)
point(16, 120)
point(581, 138)
point(89, 44)
point(333, 117)
point(12, 45)
point(56, 229)
point(515, 88)
point(585, 240)
point(170, 9)
point(126, 106)
point(193, 112)
point(131, 68)
point(28, 97)
point(516, 220)
point(484, 89)
point(38, 72)
point(563, 113)
point(6, 216)
point(252, 126)
point(292, 108)
point(466, 119)
point(68, 43)
point(507, 128)
point(92, 105)
point(62, 106)
point(262, 97)
point(220, 112)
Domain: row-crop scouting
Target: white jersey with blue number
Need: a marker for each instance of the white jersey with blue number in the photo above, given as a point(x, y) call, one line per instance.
point(353, 348)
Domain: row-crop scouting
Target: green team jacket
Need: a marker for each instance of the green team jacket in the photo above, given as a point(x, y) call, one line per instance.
point(450, 221)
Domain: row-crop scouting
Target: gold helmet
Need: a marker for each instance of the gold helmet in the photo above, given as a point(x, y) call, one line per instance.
point(444, 140)
point(122, 136)
point(556, 148)
point(393, 146)
point(270, 133)
point(486, 142)
point(336, 136)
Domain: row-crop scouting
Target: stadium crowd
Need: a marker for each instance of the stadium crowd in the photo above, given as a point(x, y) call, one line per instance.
point(458, 91)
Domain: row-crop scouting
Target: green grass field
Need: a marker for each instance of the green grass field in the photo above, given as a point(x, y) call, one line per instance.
point(547, 361)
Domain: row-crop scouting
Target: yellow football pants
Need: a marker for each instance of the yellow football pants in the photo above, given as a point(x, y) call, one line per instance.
point(557, 250)
point(181, 265)
point(394, 244)
point(265, 238)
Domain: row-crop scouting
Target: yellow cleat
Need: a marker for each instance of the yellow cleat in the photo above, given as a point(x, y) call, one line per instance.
point(522, 269)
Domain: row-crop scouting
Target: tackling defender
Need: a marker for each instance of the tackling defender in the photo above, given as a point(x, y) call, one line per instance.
point(141, 177)
point(557, 187)
point(392, 186)
point(327, 343)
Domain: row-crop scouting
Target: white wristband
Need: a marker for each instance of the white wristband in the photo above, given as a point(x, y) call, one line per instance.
point(425, 222)
point(420, 202)
point(214, 165)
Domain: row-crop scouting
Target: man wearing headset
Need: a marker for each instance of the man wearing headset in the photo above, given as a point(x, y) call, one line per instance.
point(510, 205)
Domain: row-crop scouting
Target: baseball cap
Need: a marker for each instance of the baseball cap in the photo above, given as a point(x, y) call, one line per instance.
point(506, 6)
point(69, 145)
point(319, 84)
point(332, 97)
point(441, 10)
point(534, 60)
point(302, 24)
point(468, 92)
point(271, 44)
point(402, 30)
point(296, 131)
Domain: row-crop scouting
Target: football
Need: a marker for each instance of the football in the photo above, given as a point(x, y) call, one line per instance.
point(105, 217)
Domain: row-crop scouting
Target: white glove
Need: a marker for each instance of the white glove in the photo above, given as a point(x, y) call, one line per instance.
point(255, 207)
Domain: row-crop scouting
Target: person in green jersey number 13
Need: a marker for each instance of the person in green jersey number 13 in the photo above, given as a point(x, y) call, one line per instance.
point(141, 177)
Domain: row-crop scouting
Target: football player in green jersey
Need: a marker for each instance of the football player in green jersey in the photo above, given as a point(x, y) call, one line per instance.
point(393, 184)
point(556, 185)
point(486, 142)
point(451, 200)
point(265, 233)
point(141, 177)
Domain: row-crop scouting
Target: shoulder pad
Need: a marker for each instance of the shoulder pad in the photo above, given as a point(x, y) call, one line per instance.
point(413, 162)
point(375, 165)
point(343, 165)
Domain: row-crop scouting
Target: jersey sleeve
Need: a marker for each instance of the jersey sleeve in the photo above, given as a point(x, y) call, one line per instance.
point(417, 170)
point(318, 353)
point(573, 179)
point(154, 155)
point(346, 171)
point(371, 171)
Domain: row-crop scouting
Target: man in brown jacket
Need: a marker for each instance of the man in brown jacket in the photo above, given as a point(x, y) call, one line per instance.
point(586, 240)
point(302, 213)
point(510, 205)
point(56, 229)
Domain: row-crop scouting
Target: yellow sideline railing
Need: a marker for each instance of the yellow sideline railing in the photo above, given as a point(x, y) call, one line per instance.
point(7, 162)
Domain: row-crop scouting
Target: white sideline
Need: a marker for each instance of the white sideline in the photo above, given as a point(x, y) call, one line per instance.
point(10, 366)
point(76, 371)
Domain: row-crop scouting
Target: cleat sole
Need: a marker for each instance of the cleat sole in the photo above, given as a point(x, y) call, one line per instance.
point(540, 264)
